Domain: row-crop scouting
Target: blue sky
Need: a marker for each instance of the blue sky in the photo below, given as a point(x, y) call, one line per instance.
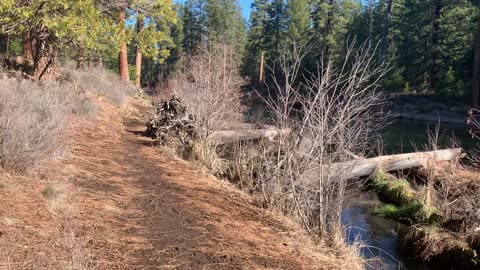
point(245, 4)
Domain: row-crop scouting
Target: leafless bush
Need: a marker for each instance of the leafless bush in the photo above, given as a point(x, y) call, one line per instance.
point(33, 118)
point(451, 189)
point(210, 86)
point(331, 115)
point(474, 123)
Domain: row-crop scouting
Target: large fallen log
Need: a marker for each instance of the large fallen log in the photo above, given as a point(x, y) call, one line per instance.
point(233, 136)
point(357, 168)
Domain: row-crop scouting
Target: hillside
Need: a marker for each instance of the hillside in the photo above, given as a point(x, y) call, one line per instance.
point(116, 202)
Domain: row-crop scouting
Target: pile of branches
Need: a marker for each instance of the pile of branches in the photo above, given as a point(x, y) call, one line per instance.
point(171, 123)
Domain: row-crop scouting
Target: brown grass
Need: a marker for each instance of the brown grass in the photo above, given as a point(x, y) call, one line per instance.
point(440, 246)
point(35, 116)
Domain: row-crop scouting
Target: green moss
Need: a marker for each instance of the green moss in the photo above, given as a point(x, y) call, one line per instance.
point(410, 211)
point(398, 192)
point(413, 212)
point(404, 202)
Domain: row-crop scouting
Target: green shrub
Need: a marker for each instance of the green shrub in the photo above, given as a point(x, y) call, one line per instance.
point(450, 84)
point(395, 81)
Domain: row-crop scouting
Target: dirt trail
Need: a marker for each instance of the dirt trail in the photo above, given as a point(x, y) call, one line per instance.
point(151, 211)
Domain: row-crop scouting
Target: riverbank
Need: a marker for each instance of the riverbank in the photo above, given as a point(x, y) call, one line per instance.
point(442, 230)
point(428, 108)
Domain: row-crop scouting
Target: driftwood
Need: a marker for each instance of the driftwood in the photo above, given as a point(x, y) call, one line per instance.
point(233, 136)
point(357, 168)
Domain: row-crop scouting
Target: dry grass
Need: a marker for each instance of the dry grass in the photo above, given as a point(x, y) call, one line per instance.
point(36, 116)
point(457, 190)
point(440, 246)
point(102, 82)
point(33, 118)
point(39, 216)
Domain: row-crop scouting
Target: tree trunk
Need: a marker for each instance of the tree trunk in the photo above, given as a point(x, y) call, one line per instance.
point(45, 61)
point(386, 30)
point(122, 57)
point(138, 60)
point(262, 61)
point(45, 53)
point(434, 46)
point(8, 45)
point(328, 30)
point(80, 56)
point(476, 69)
point(27, 47)
point(357, 168)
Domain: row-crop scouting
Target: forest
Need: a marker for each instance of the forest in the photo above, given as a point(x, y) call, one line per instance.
point(428, 45)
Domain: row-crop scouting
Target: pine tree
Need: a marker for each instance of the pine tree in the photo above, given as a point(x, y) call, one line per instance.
point(414, 42)
point(194, 19)
point(331, 19)
point(152, 37)
point(256, 40)
point(48, 26)
point(225, 24)
point(276, 28)
point(456, 32)
point(298, 12)
point(476, 66)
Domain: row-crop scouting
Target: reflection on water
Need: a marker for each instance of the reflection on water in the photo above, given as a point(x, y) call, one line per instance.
point(404, 136)
point(379, 234)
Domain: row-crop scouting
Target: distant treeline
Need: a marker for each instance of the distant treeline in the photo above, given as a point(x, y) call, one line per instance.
point(429, 44)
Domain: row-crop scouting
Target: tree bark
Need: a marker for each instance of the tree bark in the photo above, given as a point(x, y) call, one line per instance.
point(45, 61)
point(434, 68)
point(262, 63)
point(357, 168)
point(45, 53)
point(80, 56)
point(386, 30)
point(476, 69)
point(138, 59)
point(234, 136)
point(27, 46)
point(122, 57)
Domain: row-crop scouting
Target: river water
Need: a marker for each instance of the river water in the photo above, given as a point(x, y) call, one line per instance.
point(380, 234)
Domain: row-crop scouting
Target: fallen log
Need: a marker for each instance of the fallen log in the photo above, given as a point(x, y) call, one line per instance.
point(233, 136)
point(357, 168)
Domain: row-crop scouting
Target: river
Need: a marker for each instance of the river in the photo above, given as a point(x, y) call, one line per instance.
point(380, 234)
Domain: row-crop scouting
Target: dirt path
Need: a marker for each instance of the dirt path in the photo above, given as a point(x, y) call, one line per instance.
point(151, 211)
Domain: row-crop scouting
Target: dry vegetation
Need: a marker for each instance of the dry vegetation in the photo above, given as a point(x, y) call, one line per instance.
point(334, 124)
point(38, 123)
point(35, 116)
point(210, 86)
point(327, 119)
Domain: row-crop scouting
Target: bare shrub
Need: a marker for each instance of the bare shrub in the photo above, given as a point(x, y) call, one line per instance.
point(210, 86)
point(474, 123)
point(331, 115)
point(100, 81)
point(33, 119)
